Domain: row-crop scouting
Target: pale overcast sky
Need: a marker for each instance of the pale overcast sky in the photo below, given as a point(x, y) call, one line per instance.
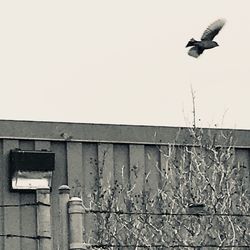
point(124, 62)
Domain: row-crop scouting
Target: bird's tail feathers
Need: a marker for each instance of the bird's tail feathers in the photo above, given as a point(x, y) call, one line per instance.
point(191, 42)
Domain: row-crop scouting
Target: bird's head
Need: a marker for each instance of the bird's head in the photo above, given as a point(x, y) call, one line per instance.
point(216, 44)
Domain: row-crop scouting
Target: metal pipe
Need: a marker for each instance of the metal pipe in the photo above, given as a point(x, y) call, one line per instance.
point(64, 191)
point(43, 219)
point(76, 224)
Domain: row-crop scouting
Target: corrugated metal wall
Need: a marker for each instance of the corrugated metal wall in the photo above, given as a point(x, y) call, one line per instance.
point(17, 219)
point(88, 168)
point(96, 167)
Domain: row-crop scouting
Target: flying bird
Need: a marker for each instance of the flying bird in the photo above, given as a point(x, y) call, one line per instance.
point(206, 39)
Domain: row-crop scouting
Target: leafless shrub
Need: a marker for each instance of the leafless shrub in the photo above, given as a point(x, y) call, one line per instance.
point(202, 200)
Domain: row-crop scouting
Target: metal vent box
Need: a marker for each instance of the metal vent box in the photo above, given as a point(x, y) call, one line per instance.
point(30, 170)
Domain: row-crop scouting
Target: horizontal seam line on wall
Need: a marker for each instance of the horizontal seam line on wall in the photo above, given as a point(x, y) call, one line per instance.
point(111, 141)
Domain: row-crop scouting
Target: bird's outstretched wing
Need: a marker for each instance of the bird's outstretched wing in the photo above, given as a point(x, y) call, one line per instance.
point(213, 29)
point(195, 51)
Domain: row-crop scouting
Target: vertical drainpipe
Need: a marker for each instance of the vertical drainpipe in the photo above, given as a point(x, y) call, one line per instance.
point(76, 210)
point(64, 191)
point(43, 219)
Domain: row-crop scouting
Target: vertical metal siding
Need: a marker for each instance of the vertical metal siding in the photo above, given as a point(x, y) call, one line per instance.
point(59, 178)
point(89, 169)
point(137, 175)
point(121, 176)
point(27, 213)
point(12, 215)
point(152, 175)
point(90, 188)
point(75, 167)
point(121, 172)
point(21, 220)
point(105, 167)
point(2, 177)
